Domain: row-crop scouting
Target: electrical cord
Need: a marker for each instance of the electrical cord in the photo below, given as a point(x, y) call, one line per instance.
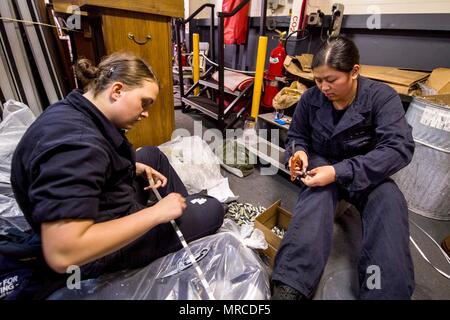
point(321, 34)
point(36, 23)
point(447, 258)
point(230, 69)
point(180, 235)
point(434, 241)
point(306, 35)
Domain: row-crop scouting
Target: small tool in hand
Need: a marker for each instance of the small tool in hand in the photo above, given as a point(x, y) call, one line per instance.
point(294, 162)
point(302, 175)
point(180, 235)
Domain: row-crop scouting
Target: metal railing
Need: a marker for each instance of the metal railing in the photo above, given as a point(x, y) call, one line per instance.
point(221, 52)
point(179, 25)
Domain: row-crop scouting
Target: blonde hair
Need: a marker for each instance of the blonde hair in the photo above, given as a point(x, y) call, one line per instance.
point(125, 67)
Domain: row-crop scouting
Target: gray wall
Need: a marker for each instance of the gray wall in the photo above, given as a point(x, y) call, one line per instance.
point(415, 41)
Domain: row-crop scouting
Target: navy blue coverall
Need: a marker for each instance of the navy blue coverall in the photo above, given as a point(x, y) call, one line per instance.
point(370, 142)
point(72, 163)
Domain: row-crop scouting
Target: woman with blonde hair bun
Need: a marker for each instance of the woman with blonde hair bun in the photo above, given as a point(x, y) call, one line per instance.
point(84, 189)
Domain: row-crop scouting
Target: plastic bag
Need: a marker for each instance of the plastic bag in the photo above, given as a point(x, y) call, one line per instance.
point(194, 162)
point(289, 96)
point(235, 158)
point(197, 166)
point(426, 90)
point(232, 270)
point(17, 117)
point(249, 236)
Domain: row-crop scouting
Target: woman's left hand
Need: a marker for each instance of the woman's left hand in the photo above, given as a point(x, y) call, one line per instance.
point(148, 172)
point(320, 176)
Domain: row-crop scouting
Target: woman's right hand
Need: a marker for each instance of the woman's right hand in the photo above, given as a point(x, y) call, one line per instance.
point(170, 207)
point(299, 170)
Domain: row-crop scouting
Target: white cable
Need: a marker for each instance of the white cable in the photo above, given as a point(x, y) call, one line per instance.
point(180, 235)
point(35, 22)
point(434, 241)
point(230, 69)
point(425, 257)
point(430, 145)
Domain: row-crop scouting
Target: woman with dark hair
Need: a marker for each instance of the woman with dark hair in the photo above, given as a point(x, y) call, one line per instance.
point(347, 136)
point(84, 190)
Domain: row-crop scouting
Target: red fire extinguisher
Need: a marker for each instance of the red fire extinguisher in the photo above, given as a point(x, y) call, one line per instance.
point(275, 72)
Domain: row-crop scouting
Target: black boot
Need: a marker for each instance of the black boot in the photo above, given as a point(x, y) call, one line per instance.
point(282, 291)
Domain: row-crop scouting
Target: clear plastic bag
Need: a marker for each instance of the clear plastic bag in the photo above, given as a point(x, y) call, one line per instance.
point(426, 90)
point(251, 237)
point(194, 162)
point(197, 166)
point(233, 271)
point(17, 117)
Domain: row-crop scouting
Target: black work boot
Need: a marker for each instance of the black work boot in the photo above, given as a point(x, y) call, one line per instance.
point(282, 291)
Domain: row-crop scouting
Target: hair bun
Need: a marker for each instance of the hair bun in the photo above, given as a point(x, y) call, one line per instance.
point(86, 71)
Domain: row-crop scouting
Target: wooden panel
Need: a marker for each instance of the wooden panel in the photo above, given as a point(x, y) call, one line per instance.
point(88, 43)
point(62, 6)
point(158, 127)
point(171, 8)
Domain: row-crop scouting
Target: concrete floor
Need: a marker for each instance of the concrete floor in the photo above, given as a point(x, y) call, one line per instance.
point(339, 277)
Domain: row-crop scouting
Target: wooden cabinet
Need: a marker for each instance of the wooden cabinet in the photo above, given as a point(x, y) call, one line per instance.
point(142, 27)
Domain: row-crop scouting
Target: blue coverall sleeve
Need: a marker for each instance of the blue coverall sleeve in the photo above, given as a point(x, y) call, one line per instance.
point(393, 151)
point(299, 133)
point(68, 181)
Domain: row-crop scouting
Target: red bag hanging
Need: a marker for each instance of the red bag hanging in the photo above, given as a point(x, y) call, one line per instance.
point(235, 27)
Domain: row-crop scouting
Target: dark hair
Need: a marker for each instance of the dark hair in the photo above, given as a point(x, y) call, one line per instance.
point(339, 53)
point(120, 66)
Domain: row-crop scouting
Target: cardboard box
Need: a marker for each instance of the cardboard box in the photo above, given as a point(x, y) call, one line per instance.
point(439, 80)
point(441, 99)
point(393, 75)
point(273, 216)
point(439, 85)
point(402, 81)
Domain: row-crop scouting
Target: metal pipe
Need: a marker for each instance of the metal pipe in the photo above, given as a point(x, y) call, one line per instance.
point(196, 60)
point(212, 37)
point(182, 239)
point(212, 52)
point(262, 20)
point(221, 69)
point(221, 58)
point(178, 23)
point(258, 82)
point(196, 12)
